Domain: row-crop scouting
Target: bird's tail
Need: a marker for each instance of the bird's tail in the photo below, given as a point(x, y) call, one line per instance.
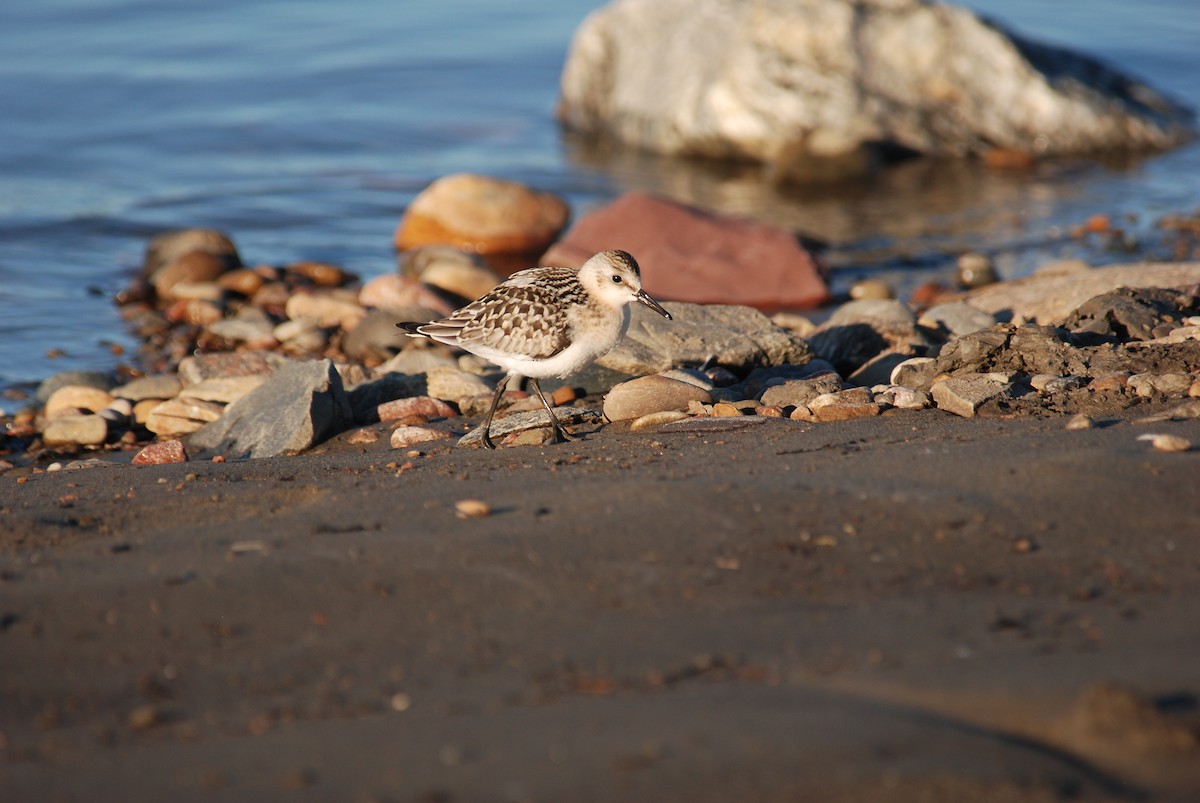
point(412, 328)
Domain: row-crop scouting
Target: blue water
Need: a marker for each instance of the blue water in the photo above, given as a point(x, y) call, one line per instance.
point(304, 128)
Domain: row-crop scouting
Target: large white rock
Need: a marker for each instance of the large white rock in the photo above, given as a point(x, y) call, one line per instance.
point(784, 81)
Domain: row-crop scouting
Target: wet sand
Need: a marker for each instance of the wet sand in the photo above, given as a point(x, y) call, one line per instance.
point(910, 607)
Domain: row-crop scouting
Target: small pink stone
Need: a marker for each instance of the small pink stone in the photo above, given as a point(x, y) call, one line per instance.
point(416, 405)
point(162, 452)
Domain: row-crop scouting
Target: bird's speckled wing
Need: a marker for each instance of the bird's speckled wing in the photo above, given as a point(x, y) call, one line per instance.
point(529, 315)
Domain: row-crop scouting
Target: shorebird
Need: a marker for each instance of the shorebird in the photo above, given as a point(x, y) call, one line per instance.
point(545, 322)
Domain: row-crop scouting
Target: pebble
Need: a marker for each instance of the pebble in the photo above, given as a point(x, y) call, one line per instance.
point(455, 385)
point(243, 328)
point(417, 360)
point(871, 288)
point(143, 718)
point(1051, 383)
point(975, 270)
point(956, 318)
point(1114, 381)
point(1081, 421)
point(1180, 412)
point(650, 394)
point(482, 214)
point(904, 398)
point(464, 279)
point(118, 412)
point(964, 395)
point(194, 311)
point(327, 310)
point(159, 386)
point(243, 281)
point(172, 245)
point(1149, 385)
point(472, 508)
point(362, 437)
point(398, 293)
point(181, 416)
point(161, 452)
point(71, 429)
point(1167, 443)
point(406, 436)
point(656, 420)
point(534, 420)
point(798, 392)
point(143, 409)
point(426, 406)
point(843, 405)
point(223, 389)
point(70, 398)
point(912, 372)
point(91, 379)
point(190, 268)
point(321, 274)
point(725, 409)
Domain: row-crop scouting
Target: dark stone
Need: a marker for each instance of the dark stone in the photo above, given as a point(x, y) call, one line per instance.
point(1127, 314)
point(301, 404)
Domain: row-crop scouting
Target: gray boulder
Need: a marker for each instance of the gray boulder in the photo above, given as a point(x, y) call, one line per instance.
point(300, 405)
point(739, 338)
point(805, 84)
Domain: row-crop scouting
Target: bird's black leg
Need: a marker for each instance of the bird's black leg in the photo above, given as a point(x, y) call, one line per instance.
point(487, 426)
point(560, 434)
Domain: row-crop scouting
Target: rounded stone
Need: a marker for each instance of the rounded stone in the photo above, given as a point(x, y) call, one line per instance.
point(426, 406)
point(76, 397)
point(453, 385)
point(169, 451)
point(482, 214)
point(406, 436)
point(243, 281)
point(171, 245)
point(327, 310)
point(656, 420)
point(651, 394)
point(75, 430)
point(975, 270)
point(158, 386)
point(402, 294)
point(321, 274)
point(872, 289)
point(194, 267)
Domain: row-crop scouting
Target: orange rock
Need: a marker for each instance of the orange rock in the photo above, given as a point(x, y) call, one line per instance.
point(321, 274)
point(564, 395)
point(482, 214)
point(1098, 224)
point(242, 281)
point(1008, 159)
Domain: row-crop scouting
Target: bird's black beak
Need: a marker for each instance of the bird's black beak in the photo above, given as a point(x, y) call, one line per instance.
point(643, 297)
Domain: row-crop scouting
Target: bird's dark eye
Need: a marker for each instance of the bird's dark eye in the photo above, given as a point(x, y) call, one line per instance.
point(616, 278)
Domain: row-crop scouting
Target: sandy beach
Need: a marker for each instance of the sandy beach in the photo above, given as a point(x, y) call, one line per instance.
point(907, 607)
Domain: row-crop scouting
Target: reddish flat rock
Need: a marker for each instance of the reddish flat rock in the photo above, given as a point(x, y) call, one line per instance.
point(687, 254)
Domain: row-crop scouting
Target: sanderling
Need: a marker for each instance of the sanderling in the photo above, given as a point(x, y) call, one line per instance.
point(545, 322)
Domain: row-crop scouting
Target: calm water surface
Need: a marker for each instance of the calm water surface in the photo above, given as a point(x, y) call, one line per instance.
point(304, 129)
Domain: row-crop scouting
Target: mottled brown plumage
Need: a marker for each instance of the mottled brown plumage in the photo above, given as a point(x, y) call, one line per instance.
point(546, 322)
